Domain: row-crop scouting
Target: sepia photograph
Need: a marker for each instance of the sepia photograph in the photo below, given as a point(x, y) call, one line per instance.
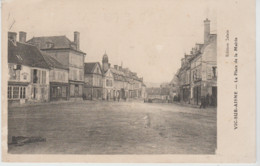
point(113, 77)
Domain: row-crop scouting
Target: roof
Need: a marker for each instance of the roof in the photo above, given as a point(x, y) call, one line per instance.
point(118, 75)
point(53, 42)
point(25, 54)
point(165, 91)
point(52, 62)
point(153, 91)
point(89, 67)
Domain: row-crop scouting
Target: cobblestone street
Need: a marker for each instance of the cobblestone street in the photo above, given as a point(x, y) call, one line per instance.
point(100, 127)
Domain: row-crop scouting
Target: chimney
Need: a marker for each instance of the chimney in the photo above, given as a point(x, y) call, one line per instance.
point(116, 67)
point(206, 30)
point(22, 37)
point(120, 68)
point(12, 36)
point(76, 39)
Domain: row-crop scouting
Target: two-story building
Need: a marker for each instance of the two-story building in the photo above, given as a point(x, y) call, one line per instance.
point(28, 72)
point(93, 75)
point(58, 77)
point(68, 53)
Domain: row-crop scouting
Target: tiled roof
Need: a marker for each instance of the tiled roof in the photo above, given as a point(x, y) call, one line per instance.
point(89, 67)
point(52, 62)
point(53, 42)
point(118, 75)
point(25, 54)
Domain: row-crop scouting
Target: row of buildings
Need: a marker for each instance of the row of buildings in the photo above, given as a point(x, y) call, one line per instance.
point(110, 83)
point(197, 77)
point(53, 68)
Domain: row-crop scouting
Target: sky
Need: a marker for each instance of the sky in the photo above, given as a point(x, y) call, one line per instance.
point(147, 36)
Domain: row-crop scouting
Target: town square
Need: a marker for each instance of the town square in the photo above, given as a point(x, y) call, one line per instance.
point(96, 127)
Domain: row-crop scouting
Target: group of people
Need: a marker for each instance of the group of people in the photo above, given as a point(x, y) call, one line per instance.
point(209, 100)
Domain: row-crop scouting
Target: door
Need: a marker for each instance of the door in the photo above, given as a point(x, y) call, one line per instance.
point(214, 95)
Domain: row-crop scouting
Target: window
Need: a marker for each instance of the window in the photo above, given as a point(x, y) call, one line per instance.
point(15, 92)
point(39, 77)
point(108, 82)
point(64, 91)
point(43, 77)
point(10, 92)
point(35, 77)
point(34, 91)
point(80, 75)
point(22, 92)
point(214, 69)
point(76, 90)
point(72, 92)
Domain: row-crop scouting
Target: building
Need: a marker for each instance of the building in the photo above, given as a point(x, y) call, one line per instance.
point(59, 81)
point(204, 70)
point(93, 76)
point(109, 92)
point(197, 77)
point(120, 82)
point(67, 53)
point(28, 72)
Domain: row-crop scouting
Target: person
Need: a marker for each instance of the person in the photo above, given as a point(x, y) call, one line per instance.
point(207, 100)
point(203, 102)
point(118, 97)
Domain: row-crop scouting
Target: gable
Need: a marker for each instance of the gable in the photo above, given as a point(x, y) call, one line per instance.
point(97, 69)
point(109, 73)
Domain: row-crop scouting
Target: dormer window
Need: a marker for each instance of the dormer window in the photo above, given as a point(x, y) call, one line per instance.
point(49, 45)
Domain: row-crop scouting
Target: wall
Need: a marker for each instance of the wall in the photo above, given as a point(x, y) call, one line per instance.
point(59, 75)
point(76, 74)
point(61, 55)
point(76, 66)
point(41, 89)
point(23, 75)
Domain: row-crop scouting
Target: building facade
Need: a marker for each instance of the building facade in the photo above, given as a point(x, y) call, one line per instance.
point(28, 72)
point(58, 77)
point(67, 53)
point(121, 83)
point(197, 77)
point(93, 76)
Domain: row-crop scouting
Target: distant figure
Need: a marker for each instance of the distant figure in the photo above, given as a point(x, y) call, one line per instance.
point(118, 98)
point(114, 98)
point(203, 102)
point(207, 100)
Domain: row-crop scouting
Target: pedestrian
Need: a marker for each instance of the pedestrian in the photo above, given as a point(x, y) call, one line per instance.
point(207, 100)
point(118, 97)
point(203, 102)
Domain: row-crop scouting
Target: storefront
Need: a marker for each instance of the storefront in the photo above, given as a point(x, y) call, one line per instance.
point(58, 91)
point(185, 95)
point(17, 92)
point(76, 89)
point(92, 93)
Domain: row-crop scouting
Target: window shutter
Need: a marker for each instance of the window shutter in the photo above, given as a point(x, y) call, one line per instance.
point(31, 75)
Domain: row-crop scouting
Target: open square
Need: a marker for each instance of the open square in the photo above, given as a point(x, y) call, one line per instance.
point(96, 127)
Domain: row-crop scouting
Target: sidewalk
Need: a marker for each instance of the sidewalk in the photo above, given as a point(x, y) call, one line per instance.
point(190, 105)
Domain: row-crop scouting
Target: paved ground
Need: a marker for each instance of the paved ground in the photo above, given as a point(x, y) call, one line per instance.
point(114, 128)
